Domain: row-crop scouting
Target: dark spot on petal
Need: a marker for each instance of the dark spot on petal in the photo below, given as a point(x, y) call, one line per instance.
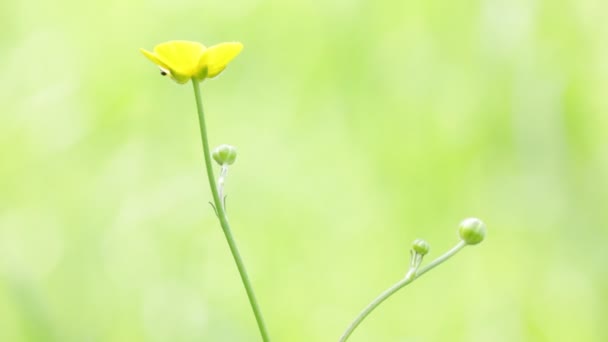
point(164, 73)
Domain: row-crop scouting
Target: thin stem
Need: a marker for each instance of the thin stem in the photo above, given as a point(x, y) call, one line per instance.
point(224, 219)
point(381, 298)
point(460, 245)
point(221, 181)
point(410, 277)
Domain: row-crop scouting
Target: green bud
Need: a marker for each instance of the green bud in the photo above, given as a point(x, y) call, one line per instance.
point(472, 231)
point(224, 154)
point(421, 246)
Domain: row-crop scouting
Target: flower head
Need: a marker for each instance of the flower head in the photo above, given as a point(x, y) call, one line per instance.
point(184, 60)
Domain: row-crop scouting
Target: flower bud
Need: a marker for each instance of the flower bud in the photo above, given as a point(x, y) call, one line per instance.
point(224, 154)
point(421, 247)
point(472, 231)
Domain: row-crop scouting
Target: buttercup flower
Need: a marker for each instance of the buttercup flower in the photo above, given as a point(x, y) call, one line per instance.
point(183, 60)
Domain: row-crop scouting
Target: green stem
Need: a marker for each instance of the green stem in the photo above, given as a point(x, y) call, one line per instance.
point(460, 245)
point(221, 213)
point(396, 287)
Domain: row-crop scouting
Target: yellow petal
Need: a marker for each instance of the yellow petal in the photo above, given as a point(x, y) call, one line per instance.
point(216, 58)
point(151, 56)
point(181, 57)
point(165, 70)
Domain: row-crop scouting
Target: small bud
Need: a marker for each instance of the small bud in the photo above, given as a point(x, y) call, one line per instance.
point(224, 154)
point(472, 231)
point(421, 246)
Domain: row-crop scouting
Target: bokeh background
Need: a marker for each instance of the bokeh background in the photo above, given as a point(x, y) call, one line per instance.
point(361, 125)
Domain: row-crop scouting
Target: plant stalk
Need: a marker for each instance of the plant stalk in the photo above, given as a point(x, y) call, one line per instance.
point(221, 213)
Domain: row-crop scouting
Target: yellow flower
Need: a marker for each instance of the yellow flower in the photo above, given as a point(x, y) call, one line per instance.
point(183, 60)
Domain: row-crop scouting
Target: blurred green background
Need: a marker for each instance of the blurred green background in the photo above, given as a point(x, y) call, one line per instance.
point(361, 125)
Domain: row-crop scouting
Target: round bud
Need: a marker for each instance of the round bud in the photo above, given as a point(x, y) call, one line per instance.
point(224, 154)
point(421, 246)
point(472, 231)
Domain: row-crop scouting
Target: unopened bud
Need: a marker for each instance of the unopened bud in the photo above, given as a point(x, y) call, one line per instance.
point(421, 246)
point(224, 154)
point(472, 231)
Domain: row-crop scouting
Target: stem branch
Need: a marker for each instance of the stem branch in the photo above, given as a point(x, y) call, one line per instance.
point(410, 277)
